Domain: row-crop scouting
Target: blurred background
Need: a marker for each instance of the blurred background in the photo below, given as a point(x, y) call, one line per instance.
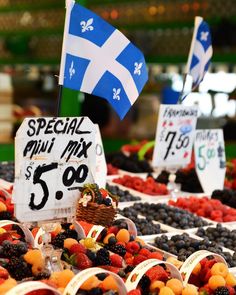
point(30, 47)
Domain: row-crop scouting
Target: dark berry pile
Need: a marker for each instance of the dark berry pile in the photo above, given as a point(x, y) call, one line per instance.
point(226, 196)
point(7, 171)
point(131, 163)
point(124, 195)
point(175, 217)
point(220, 235)
point(14, 262)
point(183, 246)
point(144, 226)
point(188, 180)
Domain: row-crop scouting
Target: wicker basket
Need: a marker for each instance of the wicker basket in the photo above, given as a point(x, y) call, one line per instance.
point(95, 213)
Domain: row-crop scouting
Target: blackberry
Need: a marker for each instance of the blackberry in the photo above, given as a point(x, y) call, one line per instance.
point(5, 215)
point(221, 291)
point(42, 276)
point(66, 226)
point(118, 249)
point(107, 202)
point(96, 291)
point(101, 276)
point(129, 268)
point(22, 248)
point(19, 269)
point(145, 282)
point(9, 249)
point(58, 241)
point(91, 255)
point(103, 257)
point(71, 233)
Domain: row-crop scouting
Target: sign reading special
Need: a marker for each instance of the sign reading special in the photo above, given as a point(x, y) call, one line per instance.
point(209, 149)
point(174, 136)
point(53, 158)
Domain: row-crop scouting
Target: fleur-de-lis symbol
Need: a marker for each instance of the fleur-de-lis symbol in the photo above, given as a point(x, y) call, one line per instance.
point(86, 26)
point(71, 69)
point(137, 68)
point(116, 93)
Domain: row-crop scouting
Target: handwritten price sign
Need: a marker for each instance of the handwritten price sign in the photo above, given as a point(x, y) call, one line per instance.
point(175, 134)
point(209, 151)
point(54, 157)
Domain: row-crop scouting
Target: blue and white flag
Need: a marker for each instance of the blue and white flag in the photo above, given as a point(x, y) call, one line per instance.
point(98, 59)
point(200, 52)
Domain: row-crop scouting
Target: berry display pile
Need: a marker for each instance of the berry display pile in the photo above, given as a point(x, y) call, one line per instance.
point(186, 177)
point(165, 214)
point(147, 186)
point(7, 171)
point(124, 196)
point(182, 245)
point(129, 163)
point(219, 234)
point(111, 170)
point(205, 207)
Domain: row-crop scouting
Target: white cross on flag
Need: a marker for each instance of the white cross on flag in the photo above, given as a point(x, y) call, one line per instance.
point(200, 52)
point(98, 59)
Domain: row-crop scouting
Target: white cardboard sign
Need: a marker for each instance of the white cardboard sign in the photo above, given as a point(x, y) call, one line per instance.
point(101, 165)
point(53, 158)
point(174, 136)
point(209, 149)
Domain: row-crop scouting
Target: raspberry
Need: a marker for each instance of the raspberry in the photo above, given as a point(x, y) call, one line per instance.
point(132, 247)
point(138, 259)
point(155, 255)
point(145, 252)
point(134, 292)
point(157, 273)
point(116, 260)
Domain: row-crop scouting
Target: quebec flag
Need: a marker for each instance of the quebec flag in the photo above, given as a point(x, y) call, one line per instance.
point(98, 59)
point(200, 52)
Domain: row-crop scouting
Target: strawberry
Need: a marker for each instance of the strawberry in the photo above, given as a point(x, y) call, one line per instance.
point(40, 292)
point(128, 255)
point(205, 290)
point(116, 260)
point(210, 262)
point(4, 237)
point(155, 255)
point(132, 247)
point(113, 230)
point(82, 261)
point(103, 192)
point(4, 273)
point(111, 268)
point(138, 259)
point(129, 261)
point(145, 252)
point(77, 248)
point(205, 274)
point(134, 292)
point(194, 280)
point(2, 281)
point(231, 290)
point(157, 273)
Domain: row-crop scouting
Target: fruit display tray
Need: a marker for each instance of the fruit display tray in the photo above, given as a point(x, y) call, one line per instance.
point(151, 241)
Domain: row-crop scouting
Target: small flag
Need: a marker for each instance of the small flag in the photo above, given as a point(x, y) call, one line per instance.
point(98, 59)
point(200, 52)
